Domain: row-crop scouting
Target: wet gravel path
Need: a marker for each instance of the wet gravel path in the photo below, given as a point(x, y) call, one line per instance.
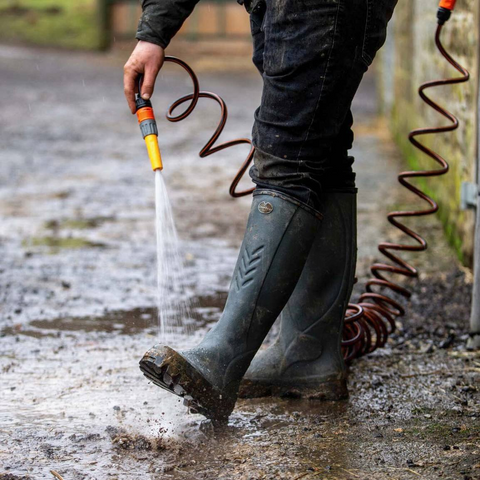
point(77, 299)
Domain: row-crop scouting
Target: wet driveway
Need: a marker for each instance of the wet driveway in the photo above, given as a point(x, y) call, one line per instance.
point(77, 277)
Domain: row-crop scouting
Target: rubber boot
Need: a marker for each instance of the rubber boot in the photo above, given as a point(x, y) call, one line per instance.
point(279, 234)
point(306, 359)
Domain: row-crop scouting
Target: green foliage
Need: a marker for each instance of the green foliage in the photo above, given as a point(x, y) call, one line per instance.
point(56, 243)
point(447, 207)
point(63, 23)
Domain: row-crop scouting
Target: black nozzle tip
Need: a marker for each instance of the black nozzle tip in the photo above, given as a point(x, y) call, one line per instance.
point(443, 15)
point(142, 103)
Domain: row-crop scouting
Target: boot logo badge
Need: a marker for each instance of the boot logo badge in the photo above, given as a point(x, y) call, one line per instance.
point(265, 207)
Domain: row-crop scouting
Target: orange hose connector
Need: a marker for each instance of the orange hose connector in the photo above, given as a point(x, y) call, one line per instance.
point(447, 4)
point(145, 113)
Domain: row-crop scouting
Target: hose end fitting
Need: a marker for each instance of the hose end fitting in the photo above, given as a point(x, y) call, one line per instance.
point(443, 15)
point(445, 9)
point(148, 127)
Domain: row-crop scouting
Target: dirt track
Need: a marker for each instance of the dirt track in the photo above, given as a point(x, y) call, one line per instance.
point(77, 297)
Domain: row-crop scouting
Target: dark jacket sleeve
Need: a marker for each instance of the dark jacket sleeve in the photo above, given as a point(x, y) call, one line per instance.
point(162, 19)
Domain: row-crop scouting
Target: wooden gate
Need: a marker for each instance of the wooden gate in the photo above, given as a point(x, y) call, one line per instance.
point(211, 19)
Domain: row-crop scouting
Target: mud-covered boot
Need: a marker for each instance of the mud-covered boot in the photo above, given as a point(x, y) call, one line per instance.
point(306, 359)
point(279, 234)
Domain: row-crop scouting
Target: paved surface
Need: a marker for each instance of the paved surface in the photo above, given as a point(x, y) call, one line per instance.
point(77, 296)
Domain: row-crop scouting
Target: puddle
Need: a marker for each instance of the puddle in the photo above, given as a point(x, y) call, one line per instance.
point(206, 309)
point(123, 322)
point(389, 427)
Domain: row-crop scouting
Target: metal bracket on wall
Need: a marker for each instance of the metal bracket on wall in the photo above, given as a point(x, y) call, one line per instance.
point(469, 196)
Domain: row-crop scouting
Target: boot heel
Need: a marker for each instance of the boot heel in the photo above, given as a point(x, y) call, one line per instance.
point(325, 391)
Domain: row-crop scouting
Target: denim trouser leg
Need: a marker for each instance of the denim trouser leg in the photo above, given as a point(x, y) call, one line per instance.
point(312, 55)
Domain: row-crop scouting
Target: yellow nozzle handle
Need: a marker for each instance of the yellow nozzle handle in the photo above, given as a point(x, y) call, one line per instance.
point(154, 152)
point(148, 127)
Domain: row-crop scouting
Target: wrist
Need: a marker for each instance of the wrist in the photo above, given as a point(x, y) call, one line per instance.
point(146, 38)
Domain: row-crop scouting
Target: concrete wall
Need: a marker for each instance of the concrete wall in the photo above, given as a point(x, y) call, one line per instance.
point(64, 23)
point(410, 58)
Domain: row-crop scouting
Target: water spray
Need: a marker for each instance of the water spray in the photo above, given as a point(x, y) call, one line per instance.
point(369, 322)
point(173, 303)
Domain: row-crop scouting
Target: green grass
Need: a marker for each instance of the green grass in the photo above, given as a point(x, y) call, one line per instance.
point(76, 223)
point(63, 23)
point(441, 432)
point(57, 243)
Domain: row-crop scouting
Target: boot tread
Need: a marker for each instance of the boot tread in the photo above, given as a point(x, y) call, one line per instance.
point(167, 369)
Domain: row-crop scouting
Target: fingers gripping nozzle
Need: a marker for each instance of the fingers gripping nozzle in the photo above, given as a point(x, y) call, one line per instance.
point(445, 10)
point(148, 127)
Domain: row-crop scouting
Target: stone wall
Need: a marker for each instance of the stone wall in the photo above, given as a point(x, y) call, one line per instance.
point(410, 58)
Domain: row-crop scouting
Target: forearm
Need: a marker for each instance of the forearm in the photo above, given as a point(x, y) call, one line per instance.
point(161, 19)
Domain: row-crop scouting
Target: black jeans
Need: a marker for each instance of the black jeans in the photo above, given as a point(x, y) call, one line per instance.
point(312, 55)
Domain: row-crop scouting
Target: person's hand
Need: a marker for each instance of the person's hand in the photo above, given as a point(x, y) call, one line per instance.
point(147, 60)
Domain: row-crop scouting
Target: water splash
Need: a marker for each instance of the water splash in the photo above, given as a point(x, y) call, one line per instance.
point(173, 302)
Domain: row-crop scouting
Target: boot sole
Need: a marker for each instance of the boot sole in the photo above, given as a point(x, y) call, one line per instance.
point(325, 391)
point(167, 369)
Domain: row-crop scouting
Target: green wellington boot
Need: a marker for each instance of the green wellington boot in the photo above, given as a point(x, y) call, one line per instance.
point(306, 359)
point(280, 232)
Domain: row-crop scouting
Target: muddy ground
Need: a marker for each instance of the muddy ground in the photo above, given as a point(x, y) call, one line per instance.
point(77, 297)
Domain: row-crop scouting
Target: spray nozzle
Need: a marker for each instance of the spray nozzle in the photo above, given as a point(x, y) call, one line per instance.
point(445, 10)
point(148, 127)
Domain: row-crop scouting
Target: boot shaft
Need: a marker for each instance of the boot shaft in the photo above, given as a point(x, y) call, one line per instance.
point(278, 238)
point(308, 348)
